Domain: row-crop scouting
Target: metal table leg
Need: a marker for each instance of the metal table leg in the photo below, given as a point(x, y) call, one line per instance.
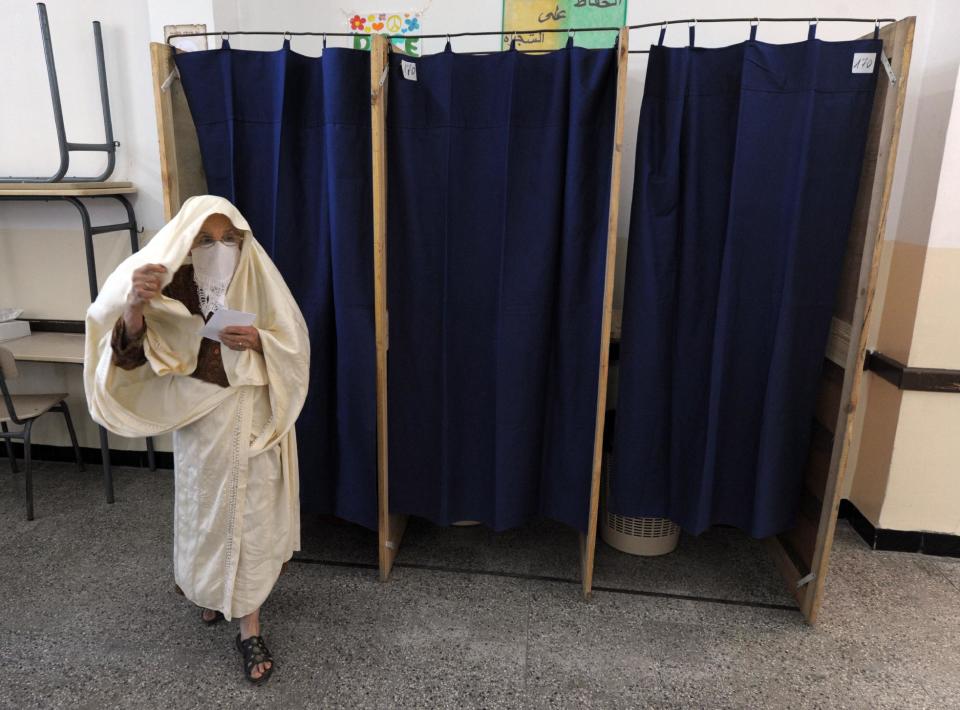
point(89, 231)
point(151, 456)
point(107, 471)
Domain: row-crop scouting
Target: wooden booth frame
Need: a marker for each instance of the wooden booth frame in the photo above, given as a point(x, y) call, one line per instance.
point(803, 554)
point(392, 525)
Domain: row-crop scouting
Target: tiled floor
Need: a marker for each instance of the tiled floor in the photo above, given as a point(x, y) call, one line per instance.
point(469, 619)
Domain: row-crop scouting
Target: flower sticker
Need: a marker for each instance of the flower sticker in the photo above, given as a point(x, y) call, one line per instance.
point(412, 24)
point(356, 22)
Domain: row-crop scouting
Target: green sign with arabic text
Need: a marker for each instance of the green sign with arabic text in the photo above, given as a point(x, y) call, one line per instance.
point(526, 20)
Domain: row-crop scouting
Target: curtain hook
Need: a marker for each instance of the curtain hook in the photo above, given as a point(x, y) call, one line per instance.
point(225, 36)
point(324, 40)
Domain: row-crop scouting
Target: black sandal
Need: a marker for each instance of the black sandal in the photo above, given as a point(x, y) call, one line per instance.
point(217, 617)
point(254, 652)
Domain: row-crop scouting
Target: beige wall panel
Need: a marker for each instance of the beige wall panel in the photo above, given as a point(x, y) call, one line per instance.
point(881, 416)
point(936, 334)
point(900, 300)
point(923, 491)
point(44, 271)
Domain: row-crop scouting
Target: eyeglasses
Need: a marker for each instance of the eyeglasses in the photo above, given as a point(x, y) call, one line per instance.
point(231, 239)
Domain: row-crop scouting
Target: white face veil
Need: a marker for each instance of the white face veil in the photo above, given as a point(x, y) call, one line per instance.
point(213, 269)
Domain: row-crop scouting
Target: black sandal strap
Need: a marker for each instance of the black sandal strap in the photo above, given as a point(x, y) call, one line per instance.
point(255, 652)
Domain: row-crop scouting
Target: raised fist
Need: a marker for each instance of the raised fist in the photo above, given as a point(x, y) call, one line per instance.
point(146, 283)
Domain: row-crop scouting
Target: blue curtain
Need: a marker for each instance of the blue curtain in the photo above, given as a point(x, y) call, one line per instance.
point(499, 175)
point(747, 169)
point(286, 138)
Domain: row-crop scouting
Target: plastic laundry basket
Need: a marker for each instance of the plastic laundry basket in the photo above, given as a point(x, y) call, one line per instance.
point(637, 536)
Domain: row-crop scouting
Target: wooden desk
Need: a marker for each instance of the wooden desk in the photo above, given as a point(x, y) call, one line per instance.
point(47, 347)
point(66, 189)
point(68, 348)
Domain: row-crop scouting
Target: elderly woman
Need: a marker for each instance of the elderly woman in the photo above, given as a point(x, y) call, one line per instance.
point(231, 405)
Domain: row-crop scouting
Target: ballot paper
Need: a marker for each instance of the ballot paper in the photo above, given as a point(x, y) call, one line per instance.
point(224, 318)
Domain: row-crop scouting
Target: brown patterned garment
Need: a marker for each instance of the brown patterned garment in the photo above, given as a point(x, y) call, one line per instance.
point(128, 354)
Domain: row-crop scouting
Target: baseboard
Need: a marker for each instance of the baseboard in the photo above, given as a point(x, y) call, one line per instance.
point(45, 452)
point(938, 544)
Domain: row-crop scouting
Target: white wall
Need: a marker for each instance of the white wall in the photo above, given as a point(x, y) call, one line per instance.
point(918, 489)
point(41, 257)
point(27, 136)
point(41, 246)
point(935, 61)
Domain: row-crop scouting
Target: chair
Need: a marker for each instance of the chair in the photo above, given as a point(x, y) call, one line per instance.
point(23, 410)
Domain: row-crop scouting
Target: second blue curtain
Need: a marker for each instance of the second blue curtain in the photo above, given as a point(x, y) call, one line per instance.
point(499, 190)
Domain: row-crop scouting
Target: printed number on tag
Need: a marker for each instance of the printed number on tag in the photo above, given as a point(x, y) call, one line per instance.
point(410, 70)
point(863, 62)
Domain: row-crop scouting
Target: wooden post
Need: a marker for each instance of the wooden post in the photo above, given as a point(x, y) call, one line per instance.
point(803, 554)
point(390, 527)
point(181, 167)
point(588, 541)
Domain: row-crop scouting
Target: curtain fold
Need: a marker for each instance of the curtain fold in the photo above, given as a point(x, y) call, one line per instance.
point(747, 170)
point(286, 138)
point(499, 187)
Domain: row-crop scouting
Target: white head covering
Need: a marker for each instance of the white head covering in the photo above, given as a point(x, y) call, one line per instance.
point(158, 398)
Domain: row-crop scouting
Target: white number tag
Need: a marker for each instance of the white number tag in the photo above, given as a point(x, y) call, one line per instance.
point(863, 62)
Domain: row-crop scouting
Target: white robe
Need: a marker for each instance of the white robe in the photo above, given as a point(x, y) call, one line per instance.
point(237, 514)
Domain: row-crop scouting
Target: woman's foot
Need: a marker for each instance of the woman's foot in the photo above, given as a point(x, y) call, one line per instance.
point(257, 661)
point(262, 664)
point(210, 616)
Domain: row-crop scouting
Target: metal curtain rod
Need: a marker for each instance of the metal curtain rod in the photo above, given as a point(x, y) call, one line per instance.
point(570, 30)
point(812, 20)
point(755, 21)
point(443, 35)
